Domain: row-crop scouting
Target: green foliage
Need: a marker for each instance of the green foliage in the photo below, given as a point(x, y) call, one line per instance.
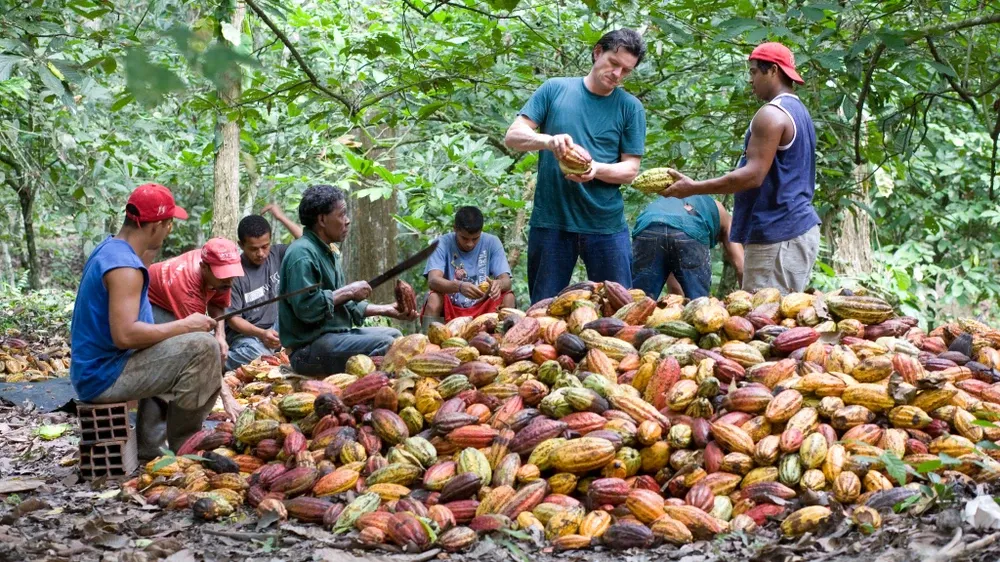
point(44, 313)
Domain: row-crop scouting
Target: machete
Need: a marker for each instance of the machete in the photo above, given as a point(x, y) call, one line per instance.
point(404, 265)
point(396, 270)
point(229, 315)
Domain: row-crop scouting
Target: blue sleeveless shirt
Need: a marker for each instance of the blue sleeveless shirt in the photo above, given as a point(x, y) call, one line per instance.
point(781, 208)
point(95, 362)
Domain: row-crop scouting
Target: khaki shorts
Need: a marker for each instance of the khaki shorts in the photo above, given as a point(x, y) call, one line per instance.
point(785, 266)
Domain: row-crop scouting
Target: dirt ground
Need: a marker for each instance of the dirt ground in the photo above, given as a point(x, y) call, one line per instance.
point(46, 513)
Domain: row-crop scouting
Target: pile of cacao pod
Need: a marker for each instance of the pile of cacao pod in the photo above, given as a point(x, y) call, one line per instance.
point(22, 361)
point(604, 417)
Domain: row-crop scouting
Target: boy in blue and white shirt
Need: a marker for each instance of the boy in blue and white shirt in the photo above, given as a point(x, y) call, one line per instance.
point(465, 261)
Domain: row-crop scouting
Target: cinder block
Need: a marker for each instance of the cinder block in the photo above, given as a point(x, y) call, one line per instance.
point(103, 422)
point(108, 458)
point(107, 441)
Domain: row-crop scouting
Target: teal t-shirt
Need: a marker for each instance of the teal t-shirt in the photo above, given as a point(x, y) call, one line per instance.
point(700, 223)
point(607, 126)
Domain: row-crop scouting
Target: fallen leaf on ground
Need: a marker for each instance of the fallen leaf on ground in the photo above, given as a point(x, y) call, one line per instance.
point(983, 513)
point(11, 486)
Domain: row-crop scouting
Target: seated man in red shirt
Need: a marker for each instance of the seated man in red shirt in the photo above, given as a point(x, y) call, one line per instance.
point(198, 281)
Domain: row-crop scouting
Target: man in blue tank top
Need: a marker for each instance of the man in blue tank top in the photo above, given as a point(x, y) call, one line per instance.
point(578, 216)
point(673, 238)
point(773, 215)
point(119, 354)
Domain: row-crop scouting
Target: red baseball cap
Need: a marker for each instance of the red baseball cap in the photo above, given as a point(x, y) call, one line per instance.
point(223, 257)
point(779, 55)
point(153, 202)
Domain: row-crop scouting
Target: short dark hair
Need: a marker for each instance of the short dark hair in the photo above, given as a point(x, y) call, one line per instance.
point(624, 38)
point(318, 200)
point(469, 219)
point(765, 66)
point(131, 209)
point(252, 226)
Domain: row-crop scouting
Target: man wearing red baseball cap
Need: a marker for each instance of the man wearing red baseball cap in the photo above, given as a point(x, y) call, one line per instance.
point(197, 281)
point(119, 353)
point(773, 215)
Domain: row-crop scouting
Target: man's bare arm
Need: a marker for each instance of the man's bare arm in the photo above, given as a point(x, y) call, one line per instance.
point(127, 332)
point(733, 250)
point(619, 173)
point(766, 130)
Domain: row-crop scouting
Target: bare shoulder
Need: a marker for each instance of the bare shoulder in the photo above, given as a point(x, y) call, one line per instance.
point(769, 118)
point(124, 279)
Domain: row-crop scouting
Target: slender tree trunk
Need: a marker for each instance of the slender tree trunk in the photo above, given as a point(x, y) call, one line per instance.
point(516, 241)
point(27, 200)
point(852, 245)
point(9, 277)
point(370, 248)
point(227, 158)
point(253, 184)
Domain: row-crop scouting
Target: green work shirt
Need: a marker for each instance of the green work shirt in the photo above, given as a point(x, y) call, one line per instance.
point(305, 317)
point(607, 126)
point(701, 223)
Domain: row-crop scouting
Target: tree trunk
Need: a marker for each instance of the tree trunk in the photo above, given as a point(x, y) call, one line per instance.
point(9, 276)
point(253, 184)
point(516, 241)
point(370, 248)
point(27, 200)
point(852, 246)
point(227, 158)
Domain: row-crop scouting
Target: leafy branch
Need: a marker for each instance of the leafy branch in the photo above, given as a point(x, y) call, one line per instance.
point(351, 108)
point(922, 33)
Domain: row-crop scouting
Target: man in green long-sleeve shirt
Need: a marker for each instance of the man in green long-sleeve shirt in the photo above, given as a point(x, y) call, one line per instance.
point(319, 326)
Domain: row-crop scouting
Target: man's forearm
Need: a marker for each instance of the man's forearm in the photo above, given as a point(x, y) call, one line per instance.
point(380, 310)
point(227, 394)
point(619, 173)
point(220, 329)
point(292, 227)
point(736, 181)
point(444, 286)
point(140, 335)
point(523, 139)
point(340, 296)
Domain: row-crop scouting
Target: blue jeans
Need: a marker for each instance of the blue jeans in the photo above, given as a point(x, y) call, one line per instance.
point(328, 354)
point(245, 350)
point(552, 256)
point(660, 250)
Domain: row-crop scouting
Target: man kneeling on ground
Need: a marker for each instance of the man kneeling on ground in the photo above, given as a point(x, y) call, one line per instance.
point(255, 332)
point(120, 354)
point(318, 327)
point(468, 273)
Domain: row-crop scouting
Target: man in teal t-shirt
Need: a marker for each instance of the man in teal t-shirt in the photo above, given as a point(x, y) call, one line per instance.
point(583, 215)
